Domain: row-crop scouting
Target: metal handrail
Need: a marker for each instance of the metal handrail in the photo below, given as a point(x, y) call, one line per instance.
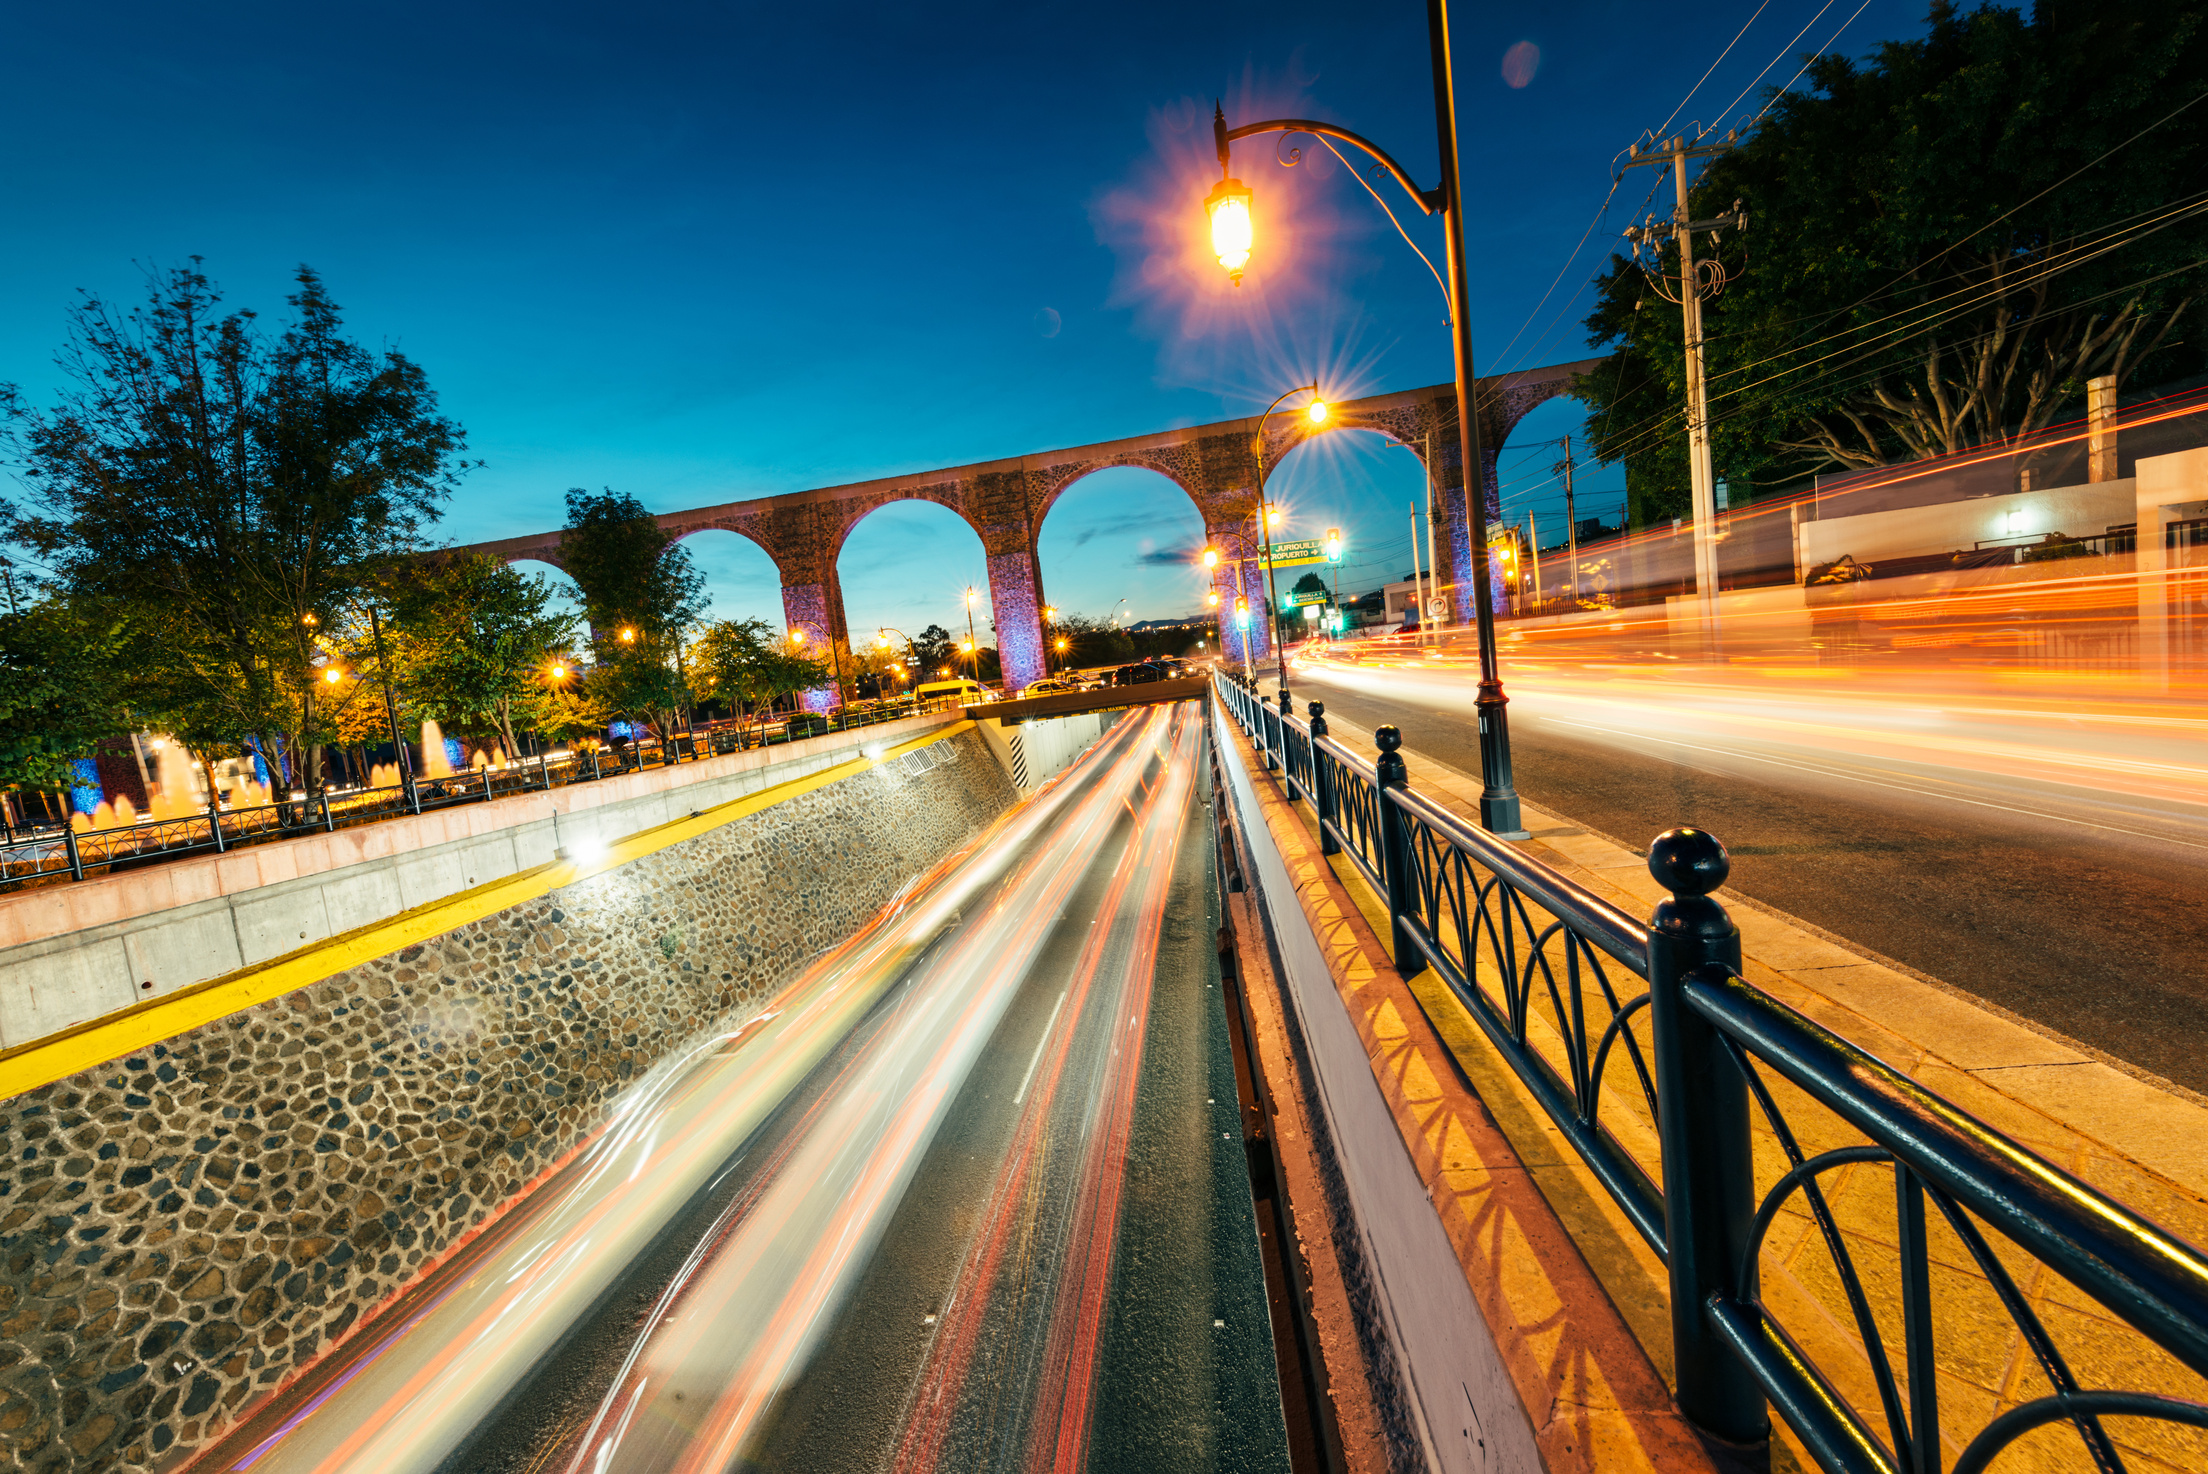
point(1462, 902)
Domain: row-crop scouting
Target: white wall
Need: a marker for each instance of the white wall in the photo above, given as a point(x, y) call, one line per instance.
point(72, 973)
point(2077, 511)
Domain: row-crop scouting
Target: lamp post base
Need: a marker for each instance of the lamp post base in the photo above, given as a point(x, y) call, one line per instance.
point(1498, 793)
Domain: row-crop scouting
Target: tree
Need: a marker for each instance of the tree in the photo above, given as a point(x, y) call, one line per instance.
point(743, 663)
point(478, 633)
point(1310, 583)
point(228, 496)
point(57, 694)
point(931, 651)
point(1946, 241)
point(630, 570)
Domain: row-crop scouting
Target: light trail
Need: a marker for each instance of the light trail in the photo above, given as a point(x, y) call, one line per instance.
point(700, 1381)
point(401, 1395)
point(1972, 697)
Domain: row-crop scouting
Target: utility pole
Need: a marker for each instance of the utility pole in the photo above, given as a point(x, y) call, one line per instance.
point(1571, 519)
point(1696, 281)
point(1533, 554)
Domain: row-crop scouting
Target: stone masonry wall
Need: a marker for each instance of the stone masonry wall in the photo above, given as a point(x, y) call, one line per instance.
point(180, 1230)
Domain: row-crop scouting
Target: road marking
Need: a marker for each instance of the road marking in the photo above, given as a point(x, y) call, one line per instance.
point(1027, 1078)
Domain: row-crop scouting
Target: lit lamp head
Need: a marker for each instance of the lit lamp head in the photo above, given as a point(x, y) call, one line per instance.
point(559, 672)
point(1062, 644)
point(1211, 558)
point(628, 636)
point(1228, 205)
point(969, 595)
point(332, 674)
point(1273, 514)
point(965, 647)
point(797, 636)
point(1212, 598)
point(1317, 411)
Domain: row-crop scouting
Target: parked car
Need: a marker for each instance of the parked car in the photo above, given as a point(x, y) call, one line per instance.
point(1141, 673)
point(1051, 686)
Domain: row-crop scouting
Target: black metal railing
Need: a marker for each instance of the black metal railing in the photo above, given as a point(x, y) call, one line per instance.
point(56, 852)
point(1655, 1059)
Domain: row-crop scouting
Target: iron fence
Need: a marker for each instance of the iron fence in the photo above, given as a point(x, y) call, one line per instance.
point(1662, 1066)
point(55, 852)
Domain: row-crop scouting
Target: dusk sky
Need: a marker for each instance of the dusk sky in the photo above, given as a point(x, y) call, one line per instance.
point(700, 253)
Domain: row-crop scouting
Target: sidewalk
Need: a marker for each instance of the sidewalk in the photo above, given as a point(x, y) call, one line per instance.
point(2144, 1146)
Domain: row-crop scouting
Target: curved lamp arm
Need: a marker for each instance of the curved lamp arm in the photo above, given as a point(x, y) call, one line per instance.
point(1430, 201)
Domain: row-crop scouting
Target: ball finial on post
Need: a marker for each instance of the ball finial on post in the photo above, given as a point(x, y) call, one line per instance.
point(1688, 862)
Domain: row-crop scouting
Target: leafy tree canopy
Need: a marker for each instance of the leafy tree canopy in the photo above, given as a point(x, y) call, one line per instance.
point(631, 573)
point(57, 692)
point(1945, 241)
point(744, 663)
point(229, 496)
point(478, 634)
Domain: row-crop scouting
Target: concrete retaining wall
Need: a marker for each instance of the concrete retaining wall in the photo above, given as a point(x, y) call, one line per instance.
point(182, 1228)
point(71, 952)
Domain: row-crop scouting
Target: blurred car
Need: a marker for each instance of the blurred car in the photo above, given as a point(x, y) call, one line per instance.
point(967, 692)
point(1051, 686)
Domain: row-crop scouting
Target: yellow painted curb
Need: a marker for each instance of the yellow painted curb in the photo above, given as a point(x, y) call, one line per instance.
point(96, 1041)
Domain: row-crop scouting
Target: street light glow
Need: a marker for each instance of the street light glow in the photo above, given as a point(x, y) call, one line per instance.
point(1228, 205)
point(333, 675)
point(1211, 558)
point(628, 636)
point(1273, 514)
point(1212, 598)
point(1317, 411)
point(969, 594)
point(797, 636)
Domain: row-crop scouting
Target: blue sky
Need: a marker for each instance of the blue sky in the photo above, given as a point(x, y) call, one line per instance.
point(701, 253)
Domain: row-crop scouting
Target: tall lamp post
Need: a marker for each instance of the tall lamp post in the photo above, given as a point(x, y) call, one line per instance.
point(973, 645)
point(835, 656)
point(1233, 237)
point(1267, 515)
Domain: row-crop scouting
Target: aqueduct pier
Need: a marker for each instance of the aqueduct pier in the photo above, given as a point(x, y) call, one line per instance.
point(1005, 501)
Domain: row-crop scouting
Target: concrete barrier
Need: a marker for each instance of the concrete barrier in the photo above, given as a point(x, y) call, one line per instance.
point(72, 952)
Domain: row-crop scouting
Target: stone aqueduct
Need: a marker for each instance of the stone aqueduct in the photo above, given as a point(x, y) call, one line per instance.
point(1005, 503)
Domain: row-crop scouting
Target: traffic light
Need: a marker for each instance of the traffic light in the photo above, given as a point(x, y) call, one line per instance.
point(1242, 611)
point(1334, 545)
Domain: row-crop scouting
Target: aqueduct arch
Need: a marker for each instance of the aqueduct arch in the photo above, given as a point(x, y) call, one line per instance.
point(1004, 502)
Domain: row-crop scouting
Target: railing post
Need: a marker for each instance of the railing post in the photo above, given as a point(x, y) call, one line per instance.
point(1269, 725)
point(1288, 768)
point(1322, 782)
point(1395, 850)
point(214, 817)
point(1702, 1110)
point(329, 825)
point(69, 844)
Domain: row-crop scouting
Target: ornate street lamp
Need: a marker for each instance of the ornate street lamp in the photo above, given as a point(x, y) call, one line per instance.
point(1268, 516)
point(1233, 240)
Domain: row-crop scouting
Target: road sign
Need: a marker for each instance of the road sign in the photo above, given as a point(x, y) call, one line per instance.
point(1296, 554)
point(1297, 597)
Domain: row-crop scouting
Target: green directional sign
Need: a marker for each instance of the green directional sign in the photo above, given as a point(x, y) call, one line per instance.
point(1296, 554)
point(1296, 598)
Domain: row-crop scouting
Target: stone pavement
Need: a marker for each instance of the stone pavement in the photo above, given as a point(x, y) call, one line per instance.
point(2142, 1143)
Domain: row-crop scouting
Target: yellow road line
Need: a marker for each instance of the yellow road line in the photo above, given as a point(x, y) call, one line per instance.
point(142, 1025)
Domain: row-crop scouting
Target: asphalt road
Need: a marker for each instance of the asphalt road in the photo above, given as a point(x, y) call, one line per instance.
point(2083, 911)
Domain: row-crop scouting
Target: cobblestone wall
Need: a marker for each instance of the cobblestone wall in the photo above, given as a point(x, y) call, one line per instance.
point(183, 1228)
